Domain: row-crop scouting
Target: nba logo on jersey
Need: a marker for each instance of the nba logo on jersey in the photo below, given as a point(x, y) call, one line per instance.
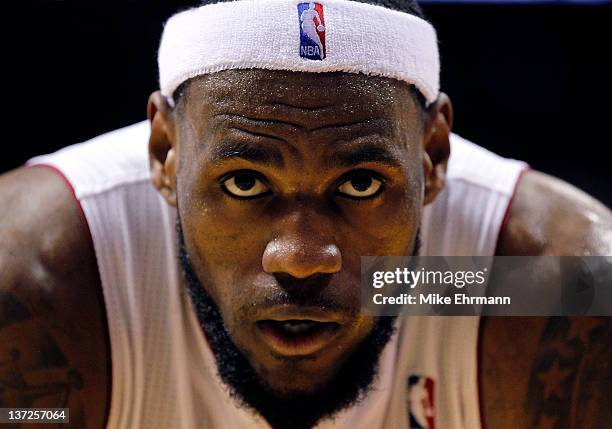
point(312, 31)
point(422, 414)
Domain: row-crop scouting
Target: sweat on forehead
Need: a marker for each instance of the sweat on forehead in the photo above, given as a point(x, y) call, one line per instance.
point(255, 88)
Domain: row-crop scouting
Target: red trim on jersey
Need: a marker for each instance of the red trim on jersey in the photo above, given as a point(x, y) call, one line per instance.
point(507, 213)
point(71, 189)
point(109, 362)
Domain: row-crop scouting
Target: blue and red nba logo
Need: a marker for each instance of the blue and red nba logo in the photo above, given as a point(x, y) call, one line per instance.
point(421, 404)
point(312, 31)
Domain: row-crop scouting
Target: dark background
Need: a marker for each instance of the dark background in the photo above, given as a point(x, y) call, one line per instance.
point(529, 81)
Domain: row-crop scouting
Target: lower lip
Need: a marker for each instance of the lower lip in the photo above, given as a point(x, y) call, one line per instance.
point(302, 344)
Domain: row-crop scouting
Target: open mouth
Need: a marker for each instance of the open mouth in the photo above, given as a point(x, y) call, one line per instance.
point(297, 337)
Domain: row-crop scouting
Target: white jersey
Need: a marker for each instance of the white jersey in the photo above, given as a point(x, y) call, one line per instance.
point(163, 372)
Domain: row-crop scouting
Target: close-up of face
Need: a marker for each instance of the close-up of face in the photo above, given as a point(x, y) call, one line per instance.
point(283, 181)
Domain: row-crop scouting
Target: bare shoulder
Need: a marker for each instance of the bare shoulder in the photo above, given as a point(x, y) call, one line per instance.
point(549, 372)
point(551, 217)
point(53, 340)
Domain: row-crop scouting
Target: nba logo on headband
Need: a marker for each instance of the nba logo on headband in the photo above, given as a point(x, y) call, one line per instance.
point(312, 31)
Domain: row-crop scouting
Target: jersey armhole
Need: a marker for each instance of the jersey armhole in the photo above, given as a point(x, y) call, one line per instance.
point(100, 292)
point(506, 217)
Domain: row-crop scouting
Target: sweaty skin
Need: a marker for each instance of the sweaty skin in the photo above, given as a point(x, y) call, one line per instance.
point(272, 124)
point(301, 151)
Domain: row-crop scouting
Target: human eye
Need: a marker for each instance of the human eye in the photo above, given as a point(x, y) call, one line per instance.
point(360, 184)
point(244, 184)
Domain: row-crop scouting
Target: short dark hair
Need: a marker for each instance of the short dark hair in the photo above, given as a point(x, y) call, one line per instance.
point(407, 6)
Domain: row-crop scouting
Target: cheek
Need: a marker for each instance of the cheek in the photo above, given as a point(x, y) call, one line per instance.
point(225, 250)
point(386, 228)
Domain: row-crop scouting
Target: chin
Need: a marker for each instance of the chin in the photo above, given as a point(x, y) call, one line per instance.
point(288, 377)
point(300, 361)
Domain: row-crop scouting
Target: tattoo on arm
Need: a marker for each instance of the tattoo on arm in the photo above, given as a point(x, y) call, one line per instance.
point(571, 378)
point(34, 371)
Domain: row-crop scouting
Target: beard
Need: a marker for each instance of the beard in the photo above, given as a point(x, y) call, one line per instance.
point(300, 410)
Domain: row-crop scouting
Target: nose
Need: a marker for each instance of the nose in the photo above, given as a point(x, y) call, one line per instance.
point(301, 260)
point(301, 251)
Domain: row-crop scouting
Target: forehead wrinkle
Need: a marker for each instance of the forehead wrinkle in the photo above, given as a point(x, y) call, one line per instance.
point(378, 126)
point(254, 134)
point(300, 119)
point(255, 121)
point(290, 106)
point(379, 129)
point(278, 130)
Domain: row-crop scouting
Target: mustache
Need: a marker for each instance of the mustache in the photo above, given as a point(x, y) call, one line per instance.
point(308, 292)
point(281, 298)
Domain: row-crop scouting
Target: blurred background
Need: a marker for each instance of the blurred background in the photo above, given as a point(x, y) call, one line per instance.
point(528, 79)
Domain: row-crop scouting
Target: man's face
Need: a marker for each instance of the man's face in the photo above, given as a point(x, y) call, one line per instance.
point(284, 180)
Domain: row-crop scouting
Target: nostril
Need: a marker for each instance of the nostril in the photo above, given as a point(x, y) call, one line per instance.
point(308, 284)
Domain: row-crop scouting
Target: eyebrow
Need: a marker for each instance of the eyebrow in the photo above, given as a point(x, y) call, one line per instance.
point(365, 153)
point(272, 156)
point(253, 152)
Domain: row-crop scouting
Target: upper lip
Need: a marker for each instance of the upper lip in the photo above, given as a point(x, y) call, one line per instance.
point(310, 313)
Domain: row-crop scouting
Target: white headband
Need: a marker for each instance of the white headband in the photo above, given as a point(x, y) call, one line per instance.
point(323, 36)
